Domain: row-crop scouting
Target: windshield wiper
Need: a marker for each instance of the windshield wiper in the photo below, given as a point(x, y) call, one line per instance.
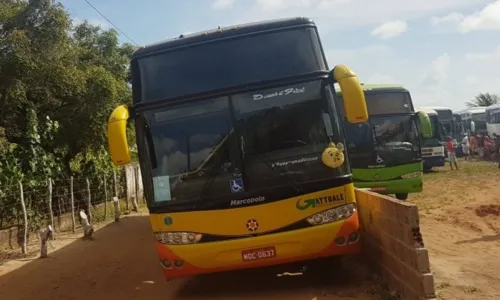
point(215, 171)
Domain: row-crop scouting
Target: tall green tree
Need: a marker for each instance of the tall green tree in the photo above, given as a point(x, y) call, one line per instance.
point(485, 99)
point(59, 82)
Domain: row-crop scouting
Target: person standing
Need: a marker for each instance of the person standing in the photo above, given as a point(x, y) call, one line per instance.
point(452, 156)
point(472, 144)
point(465, 147)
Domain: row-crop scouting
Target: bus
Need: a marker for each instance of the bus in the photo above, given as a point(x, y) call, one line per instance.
point(459, 126)
point(385, 152)
point(242, 148)
point(445, 116)
point(493, 120)
point(459, 133)
point(474, 119)
point(432, 147)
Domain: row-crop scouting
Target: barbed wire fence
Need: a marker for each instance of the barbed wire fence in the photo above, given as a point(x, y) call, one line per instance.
point(56, 205)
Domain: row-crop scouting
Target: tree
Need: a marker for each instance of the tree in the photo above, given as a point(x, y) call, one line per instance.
point(485, 99)
point(58, 85)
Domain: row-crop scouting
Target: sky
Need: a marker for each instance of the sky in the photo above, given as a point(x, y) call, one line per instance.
point(444, 51)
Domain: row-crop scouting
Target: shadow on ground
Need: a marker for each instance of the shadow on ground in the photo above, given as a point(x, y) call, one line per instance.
point(121, 263)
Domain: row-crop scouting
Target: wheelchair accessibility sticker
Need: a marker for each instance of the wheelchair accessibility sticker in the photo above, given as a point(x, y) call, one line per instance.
point(236, 185)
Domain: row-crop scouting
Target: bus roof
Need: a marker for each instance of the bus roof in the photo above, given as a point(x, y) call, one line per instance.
point(427, 110)
point(221, 33)
point(493, 107)
point(473, 110)
point(438, 108)
point(383, 86)
point(377, 87)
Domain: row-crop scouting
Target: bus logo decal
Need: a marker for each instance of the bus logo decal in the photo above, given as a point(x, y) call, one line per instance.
point(303, 205)
point(168, 221)
point(252, 225)
point(236, 185)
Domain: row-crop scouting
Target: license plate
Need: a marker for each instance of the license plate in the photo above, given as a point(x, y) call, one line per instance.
point(378, 188)
point(257, 254)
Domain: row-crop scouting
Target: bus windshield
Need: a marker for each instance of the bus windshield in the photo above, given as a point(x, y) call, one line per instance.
point(387, 140)
point(229, 62)
point(266, 136)
point(438, 132)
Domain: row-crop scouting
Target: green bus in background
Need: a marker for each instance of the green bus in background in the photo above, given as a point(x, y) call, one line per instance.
point(385, 152)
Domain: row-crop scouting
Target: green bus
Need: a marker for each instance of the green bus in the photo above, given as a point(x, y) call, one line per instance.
point(385, 152)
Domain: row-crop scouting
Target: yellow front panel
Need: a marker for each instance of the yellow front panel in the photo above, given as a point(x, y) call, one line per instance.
point(272, 216)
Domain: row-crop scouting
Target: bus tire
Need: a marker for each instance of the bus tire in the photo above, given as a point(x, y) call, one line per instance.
point(402, 196)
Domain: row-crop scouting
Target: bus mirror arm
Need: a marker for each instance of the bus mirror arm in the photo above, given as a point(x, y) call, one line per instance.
point(117, 135)
point(353, 94)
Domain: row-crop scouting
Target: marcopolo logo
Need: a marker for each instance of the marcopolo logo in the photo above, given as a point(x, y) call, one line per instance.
point(247, 201)
point(305, 204)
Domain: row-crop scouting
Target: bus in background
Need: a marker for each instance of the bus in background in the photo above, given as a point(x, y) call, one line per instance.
point(459, 126)
point(242, 147)
point(474, 119)
point(493, 120)
point(385, 152)
point(459, 133)
point(445, 116)
point(432, 147)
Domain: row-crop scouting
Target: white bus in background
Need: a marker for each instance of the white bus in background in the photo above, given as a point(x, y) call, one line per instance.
point(474, 119)
point(432, 148)
point(493, 120)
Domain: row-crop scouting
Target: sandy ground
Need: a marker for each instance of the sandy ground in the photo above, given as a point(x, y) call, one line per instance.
point(460, 217)
point(121, 263)
point(460, 223)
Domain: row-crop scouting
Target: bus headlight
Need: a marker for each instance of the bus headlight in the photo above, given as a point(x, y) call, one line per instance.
point(177, 238)
point(332, 214)
point(411, 175)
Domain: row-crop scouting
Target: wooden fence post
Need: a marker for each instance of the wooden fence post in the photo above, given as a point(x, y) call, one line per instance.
point(24, 246)
point(88, 229)
point(90, 200)
point(116, 204)
point(72, 205)
point(45, 235)
point(51, 213)
point(105, 199)
point(115, 188)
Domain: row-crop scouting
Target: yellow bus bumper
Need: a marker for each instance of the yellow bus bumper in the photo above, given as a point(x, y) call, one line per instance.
point(337, 238)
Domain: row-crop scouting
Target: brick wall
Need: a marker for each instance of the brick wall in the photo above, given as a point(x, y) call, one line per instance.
point(393, 244)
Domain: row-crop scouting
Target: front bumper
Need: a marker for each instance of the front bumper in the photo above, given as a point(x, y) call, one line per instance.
point(292, 246)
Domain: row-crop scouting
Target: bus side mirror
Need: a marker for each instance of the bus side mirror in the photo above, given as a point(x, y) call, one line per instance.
point(425, 124)
point(117, 135)
point(353, 95)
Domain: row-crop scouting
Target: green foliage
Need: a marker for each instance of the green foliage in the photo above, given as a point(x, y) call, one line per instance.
point(58, 86)
point(485, 99)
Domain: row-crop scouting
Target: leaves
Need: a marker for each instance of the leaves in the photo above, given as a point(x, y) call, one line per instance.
point(58, 85)
point(485, 99)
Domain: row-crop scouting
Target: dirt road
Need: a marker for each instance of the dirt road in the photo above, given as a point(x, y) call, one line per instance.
point(460, 223)
point(121, 264)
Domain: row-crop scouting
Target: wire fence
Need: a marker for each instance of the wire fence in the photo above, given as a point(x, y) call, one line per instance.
point(29, 206)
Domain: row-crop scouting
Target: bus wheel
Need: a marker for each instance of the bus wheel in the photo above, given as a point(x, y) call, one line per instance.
point(402, 196)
